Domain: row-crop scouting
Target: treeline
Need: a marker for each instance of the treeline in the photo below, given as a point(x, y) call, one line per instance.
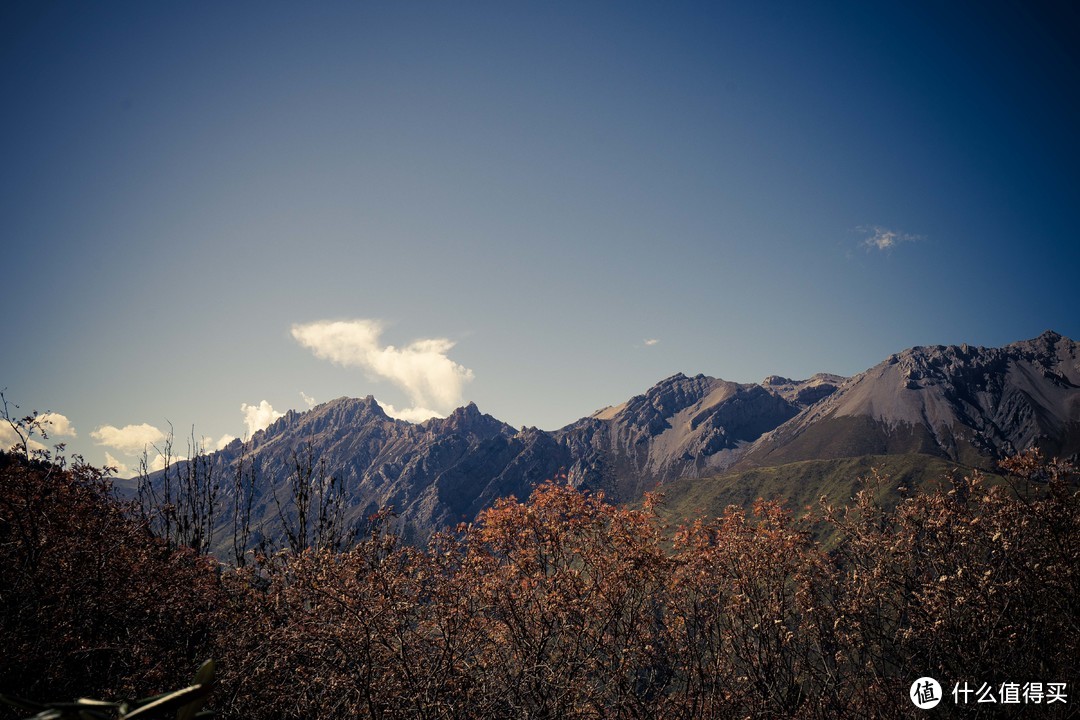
point(563, 606)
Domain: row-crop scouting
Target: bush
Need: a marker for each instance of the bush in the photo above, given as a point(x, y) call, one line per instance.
point(90, 601)
point(563, 606)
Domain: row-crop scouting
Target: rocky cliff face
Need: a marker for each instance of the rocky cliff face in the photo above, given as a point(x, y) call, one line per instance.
point(434, 474)
point(444, 471)
point(969, 404)
point(804, 393)
point(682, 427)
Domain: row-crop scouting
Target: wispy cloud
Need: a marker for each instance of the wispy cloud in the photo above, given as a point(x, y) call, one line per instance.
point(258, 417)
point(308, 400)
point(130, 439)
point(421, 368)
point(651, 341)
point(884, 239)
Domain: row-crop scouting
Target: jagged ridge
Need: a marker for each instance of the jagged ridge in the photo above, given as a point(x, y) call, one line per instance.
point(970, 405)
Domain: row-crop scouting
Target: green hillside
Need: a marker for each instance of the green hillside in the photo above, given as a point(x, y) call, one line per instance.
point(801, 484)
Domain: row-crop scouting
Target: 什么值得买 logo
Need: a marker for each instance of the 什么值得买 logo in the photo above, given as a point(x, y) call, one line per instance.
point(925, 693)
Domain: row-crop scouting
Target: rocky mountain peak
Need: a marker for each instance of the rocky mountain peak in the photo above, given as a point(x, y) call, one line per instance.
point(339, 415)
point(970, 404)
point(668, 397)
point(1050, 337)
point(964, 366)
point(682, 426)
point(351, 411)
point(367, 406)
point(1047, 349)
point(468, 420)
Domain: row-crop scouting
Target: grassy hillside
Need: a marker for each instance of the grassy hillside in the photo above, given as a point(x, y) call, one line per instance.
point(801, 484)
point(852, 436)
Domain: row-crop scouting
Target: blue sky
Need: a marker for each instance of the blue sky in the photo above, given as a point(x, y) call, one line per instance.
point(544, 208)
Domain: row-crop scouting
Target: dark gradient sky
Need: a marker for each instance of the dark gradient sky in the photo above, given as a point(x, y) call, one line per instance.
point(547, 186)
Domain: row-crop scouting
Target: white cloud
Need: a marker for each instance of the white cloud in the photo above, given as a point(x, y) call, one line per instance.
point(308, 400)
point(413, 415)
point(54, 425)
point(258, 417)
point(421, 368)
point(651, 341)
point(57, 424)
point(884, 239)
point(9, 439)
point(121, 468)
point(206, 443)
point(158, 463)
point(130, 439)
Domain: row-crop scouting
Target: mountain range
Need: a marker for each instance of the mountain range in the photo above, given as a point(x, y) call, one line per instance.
point(959, 405)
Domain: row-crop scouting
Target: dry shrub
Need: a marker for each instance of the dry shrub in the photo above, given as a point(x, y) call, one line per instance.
point(90, 602)
point(560, 607)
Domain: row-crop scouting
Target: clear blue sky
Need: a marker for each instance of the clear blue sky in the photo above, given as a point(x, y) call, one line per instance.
point(502, 202)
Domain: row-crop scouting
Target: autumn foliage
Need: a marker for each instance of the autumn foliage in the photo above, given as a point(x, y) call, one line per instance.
point(563, 606)
point(90, 601)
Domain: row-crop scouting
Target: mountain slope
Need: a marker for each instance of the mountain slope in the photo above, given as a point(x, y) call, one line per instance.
point(800, 485)
point(971, 405)
point(682, 427)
